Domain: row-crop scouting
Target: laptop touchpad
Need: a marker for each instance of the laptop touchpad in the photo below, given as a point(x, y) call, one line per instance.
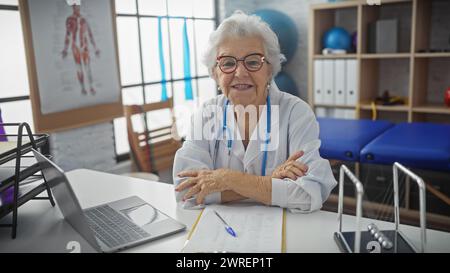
point(143, 214)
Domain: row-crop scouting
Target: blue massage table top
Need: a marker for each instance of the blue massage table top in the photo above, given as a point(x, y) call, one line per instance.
point(417, 145)
point(343, 139)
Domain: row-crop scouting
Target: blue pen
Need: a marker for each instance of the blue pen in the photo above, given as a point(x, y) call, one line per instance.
point(227, 227)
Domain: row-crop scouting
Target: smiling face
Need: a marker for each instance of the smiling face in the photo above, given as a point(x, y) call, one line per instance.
point(243, 87)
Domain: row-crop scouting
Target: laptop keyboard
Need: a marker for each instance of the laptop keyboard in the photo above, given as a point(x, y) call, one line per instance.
point(112, 228)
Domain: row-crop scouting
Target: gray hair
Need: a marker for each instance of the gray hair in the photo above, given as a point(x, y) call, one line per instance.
point(239, 24)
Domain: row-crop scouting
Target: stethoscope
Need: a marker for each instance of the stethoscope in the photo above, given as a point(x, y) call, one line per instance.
point(227, 131)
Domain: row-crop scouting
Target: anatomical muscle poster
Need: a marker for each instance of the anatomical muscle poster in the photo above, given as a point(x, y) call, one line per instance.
point(71, 48)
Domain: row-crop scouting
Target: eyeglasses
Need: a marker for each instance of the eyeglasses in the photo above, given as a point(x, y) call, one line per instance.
point(252, 62)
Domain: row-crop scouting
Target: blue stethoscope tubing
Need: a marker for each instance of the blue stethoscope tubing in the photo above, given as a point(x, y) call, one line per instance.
point(227, 130)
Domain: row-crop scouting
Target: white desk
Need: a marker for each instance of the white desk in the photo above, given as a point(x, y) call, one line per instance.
point(41, 228)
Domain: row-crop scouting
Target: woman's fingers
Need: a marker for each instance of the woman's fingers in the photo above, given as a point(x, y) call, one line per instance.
point(289, 174)
point(293, 171)
point(300, 166)
point(193, 173)
point(298, 173)
point(190, 173)
point(202, 194)
point(191, 192)
point(296, 156)
point(186, 184)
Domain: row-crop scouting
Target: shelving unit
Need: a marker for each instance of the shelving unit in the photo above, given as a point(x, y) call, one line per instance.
point(19, 181)
point(386, 56)
point(337, 56)
point(335, 106)
point(432, 55)
point(394, 108)
point(412, 72)
point(418, 68)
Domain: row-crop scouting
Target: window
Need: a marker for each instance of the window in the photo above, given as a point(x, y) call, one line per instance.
point(139, 55)
point(138, 50)
point(14, 91)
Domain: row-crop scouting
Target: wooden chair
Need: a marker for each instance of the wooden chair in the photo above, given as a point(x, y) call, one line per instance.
point(151, 150)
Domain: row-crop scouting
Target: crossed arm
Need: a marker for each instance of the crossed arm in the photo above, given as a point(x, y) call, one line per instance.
point(234, 185)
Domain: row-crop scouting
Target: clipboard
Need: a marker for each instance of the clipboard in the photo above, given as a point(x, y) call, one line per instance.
point(283, 231)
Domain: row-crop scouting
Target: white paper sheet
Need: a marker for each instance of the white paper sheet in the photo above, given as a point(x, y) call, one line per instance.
point(258, 229)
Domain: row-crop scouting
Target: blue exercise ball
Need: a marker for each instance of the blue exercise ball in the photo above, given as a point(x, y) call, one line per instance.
point(286, 83)
point(284, 28)
point(337, 38)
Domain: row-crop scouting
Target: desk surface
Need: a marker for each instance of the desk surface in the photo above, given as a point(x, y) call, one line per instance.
point(41, 228)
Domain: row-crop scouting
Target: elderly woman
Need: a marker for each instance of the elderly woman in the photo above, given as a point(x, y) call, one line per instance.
point(269, 155)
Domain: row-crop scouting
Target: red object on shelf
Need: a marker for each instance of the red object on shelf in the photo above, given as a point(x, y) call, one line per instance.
point(447, 97)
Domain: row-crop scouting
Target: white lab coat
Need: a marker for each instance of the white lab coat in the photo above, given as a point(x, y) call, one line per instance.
point(298, 130)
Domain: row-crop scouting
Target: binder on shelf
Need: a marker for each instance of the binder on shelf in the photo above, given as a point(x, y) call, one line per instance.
point(351, 88)
point(350, 114)
point(321, 112)
point(387, 36)
point(318, 82)
point(340, 82)
point(331, 112)
point(339, 113)
point(328, 81)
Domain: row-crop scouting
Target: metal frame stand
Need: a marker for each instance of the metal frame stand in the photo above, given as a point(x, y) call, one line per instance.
point(422, 195)
point(20, 175)
point(359, 194)
point(389, 241)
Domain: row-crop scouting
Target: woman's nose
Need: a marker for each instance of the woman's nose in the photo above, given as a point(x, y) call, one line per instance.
point(240, 69)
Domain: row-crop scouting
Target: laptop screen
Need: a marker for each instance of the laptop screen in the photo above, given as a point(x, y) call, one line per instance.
point(65, 197)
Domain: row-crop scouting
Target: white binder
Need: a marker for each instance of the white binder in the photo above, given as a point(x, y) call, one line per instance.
point(339, 113)
point(328, 73)
point(321, 112)
point(350, 114)
point(330, 113)
point(318, 82)
point(340, 82)
point(351, 82)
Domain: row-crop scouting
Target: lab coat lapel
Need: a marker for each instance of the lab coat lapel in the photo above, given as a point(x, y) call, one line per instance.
point(237, 147)
point(255, 148)
point(256, 143)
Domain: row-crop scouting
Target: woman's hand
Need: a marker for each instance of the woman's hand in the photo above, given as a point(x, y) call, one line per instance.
point(204, 182)
point(291, 168)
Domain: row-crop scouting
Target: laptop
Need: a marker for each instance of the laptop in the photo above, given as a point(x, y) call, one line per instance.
point(112, 226)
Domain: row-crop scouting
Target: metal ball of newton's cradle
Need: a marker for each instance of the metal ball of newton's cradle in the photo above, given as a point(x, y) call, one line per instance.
point(386, 244)
point(377, 235)
point(372, 228)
